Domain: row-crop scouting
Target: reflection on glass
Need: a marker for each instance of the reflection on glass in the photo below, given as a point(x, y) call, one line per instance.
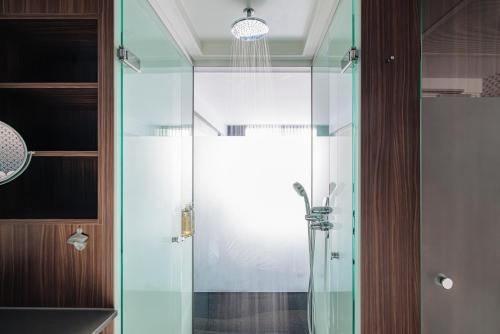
point(460, 178)
point(334, 163)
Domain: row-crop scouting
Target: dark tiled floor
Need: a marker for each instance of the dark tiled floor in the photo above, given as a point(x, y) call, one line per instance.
point(250, 313)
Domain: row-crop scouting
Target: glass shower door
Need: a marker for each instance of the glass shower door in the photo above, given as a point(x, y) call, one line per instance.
point(335, 77)
point(156, 147)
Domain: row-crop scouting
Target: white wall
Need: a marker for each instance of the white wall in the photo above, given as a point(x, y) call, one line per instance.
point(227, 97)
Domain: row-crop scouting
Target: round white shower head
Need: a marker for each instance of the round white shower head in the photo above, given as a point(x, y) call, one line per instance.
point(249, 28)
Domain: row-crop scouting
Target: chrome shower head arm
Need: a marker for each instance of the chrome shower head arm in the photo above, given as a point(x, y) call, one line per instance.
point(249, 11)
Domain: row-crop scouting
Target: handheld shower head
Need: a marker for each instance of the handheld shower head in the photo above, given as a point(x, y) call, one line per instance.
point(299, 189)
point(331, 187)
point(302, 192)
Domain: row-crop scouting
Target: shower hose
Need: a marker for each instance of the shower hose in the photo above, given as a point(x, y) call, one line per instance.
point(310, 298)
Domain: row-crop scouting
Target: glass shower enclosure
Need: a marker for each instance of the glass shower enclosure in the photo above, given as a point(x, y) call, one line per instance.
point(156, 175)
point(335, 80)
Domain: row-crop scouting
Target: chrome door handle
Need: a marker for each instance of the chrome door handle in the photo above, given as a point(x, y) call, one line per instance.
point(444, 282)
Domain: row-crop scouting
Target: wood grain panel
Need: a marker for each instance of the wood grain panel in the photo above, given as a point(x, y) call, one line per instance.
point(38, 268)
point(49, 7)
point(106, 142)
point(390, 297)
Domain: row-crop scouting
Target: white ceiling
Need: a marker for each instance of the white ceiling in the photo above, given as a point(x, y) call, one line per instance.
point(202, 27)
point(288, 19)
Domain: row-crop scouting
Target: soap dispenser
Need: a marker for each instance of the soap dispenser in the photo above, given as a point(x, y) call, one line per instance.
point(187, 224)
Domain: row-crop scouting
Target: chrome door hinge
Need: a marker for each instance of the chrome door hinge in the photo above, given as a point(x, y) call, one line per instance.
point(129, 58)
point(350, 57)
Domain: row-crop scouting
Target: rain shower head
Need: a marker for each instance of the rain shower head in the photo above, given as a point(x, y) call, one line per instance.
point(249, 28)
point(302, 192)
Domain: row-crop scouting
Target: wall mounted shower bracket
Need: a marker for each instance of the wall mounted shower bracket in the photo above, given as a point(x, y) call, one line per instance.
point(335, 256)
point(178, 239)
point(128, 58)
point(350, 57)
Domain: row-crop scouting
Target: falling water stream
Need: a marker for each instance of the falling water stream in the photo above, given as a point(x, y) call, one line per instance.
point(252, 55)
point(251, 75)
point(252, 83)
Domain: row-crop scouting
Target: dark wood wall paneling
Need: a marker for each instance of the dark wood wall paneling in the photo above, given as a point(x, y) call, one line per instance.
point(50, 7)
point(37, 267)
point(390, 270)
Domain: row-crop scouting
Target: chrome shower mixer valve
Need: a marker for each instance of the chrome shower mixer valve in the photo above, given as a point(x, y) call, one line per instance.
point(317, 219)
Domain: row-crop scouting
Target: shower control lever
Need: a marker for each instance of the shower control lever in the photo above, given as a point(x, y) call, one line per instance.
point(318, 219)
point(322, 210)
point(314, 217)
point(323, 225)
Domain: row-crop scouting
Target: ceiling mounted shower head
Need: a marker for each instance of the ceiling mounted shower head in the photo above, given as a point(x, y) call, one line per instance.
point(249, 28)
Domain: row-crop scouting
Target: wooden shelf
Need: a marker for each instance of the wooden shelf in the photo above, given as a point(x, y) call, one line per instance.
point(51, 189)
point(51, 98)
point(65, 154)
point(66, 50)
point(52, 119)
point(44, 16)
point(51, 221)
point(48, 85)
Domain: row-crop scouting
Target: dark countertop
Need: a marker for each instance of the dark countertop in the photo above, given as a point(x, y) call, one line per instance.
point(41, 320)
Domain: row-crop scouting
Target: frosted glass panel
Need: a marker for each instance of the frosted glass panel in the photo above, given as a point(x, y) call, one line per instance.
point(334, 172)
point(250, 221)
point(157, 272)
point(156, 163)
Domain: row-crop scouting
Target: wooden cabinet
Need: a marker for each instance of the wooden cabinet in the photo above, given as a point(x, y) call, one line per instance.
point(56, 90)
point(51, 92)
